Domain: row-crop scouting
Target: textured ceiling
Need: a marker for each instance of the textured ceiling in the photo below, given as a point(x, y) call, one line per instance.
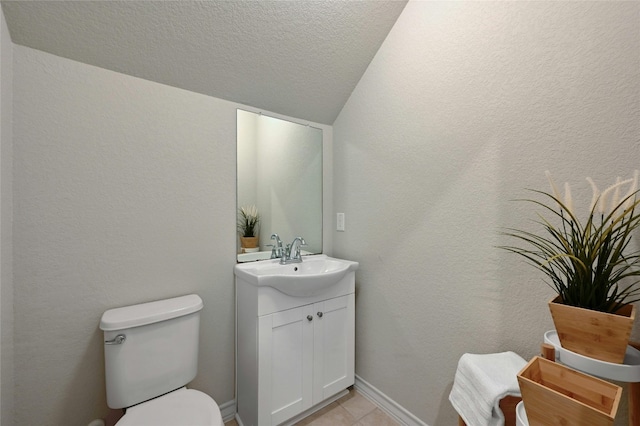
point(298, 58)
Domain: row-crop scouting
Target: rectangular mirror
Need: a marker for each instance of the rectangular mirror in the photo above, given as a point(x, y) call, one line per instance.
point(279, 172)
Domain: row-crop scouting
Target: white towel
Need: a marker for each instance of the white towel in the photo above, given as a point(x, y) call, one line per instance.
point(480, 383)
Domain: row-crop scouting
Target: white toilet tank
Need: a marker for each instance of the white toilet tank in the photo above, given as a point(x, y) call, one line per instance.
point(150, 349)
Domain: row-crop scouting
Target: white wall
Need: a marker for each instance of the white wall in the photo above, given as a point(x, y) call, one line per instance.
point(124, 192)
point(464, 106)
point(6, 214)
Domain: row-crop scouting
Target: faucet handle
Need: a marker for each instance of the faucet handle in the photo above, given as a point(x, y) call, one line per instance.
point(278, 240)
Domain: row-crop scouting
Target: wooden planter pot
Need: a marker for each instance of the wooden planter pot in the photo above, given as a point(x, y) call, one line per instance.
point(554, 394)
point(591, 333)
point(249, 242)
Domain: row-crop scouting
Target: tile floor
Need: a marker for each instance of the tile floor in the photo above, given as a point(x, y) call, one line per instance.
point(350, 410)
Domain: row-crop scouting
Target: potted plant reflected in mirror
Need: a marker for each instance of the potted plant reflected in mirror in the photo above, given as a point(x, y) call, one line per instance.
point(248, 226)
point(591, 263)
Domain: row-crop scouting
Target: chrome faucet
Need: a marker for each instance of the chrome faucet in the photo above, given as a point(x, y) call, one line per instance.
point(277, 250)
point(292, 252)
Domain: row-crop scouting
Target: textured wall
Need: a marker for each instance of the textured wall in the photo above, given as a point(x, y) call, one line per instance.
point(466, 104)
point(6, 215)
point(124, 192)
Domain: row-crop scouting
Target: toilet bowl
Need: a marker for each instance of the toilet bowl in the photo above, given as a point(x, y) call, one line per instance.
point(181, 407)
point(151, 353)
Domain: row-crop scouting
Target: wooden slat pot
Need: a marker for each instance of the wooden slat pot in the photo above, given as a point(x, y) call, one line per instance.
point(249, 242)
point(554, 394)
point(591, 333)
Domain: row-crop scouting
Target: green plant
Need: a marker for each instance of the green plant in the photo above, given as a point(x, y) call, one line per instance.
point(248, 221)
point(591, 265)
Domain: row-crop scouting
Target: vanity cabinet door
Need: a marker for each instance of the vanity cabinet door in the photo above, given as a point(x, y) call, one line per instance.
point(306, 355)
point(334, 338)
point(285, 364)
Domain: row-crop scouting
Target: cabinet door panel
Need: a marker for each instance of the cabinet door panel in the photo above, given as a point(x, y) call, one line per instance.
point(287, 355)
point(334, 346)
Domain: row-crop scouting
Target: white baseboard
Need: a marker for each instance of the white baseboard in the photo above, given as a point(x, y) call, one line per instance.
point(292, 421)
point(386, 404)
point(228, 410)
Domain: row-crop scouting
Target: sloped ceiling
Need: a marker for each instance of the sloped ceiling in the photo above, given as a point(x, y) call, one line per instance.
point(297, 58)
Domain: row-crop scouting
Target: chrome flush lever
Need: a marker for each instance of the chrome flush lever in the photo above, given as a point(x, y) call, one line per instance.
point(118, 340)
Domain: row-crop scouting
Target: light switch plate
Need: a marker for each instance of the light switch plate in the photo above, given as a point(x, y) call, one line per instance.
point(340, 222)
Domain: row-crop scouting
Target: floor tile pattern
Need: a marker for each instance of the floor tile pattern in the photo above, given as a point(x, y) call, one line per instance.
point(352, 409)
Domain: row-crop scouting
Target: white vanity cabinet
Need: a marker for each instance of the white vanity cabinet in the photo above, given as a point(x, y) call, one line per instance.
point(293, 353)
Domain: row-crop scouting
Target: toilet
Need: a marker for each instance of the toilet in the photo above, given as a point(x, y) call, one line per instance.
point(151, 353)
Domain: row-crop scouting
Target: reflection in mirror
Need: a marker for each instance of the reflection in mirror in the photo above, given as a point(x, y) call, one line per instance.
point(280, 173)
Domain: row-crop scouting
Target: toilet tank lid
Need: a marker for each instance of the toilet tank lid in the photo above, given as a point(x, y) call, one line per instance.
point(148, 313)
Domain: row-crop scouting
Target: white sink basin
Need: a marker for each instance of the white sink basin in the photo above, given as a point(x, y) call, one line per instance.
point(310, 277)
